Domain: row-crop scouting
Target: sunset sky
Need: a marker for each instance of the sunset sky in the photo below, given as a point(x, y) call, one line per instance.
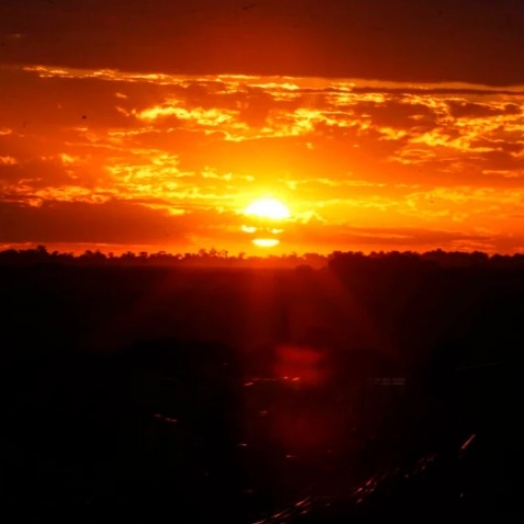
point(380, 124)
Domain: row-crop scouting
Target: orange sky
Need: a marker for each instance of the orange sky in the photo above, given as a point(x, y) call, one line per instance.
point(157, 159)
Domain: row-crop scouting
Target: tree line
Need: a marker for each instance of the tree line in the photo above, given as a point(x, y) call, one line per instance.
point(215, 257)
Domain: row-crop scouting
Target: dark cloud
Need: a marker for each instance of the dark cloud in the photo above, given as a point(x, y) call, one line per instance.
point(502, 160)
point(82, 222)
point(443, 40)
point(461, 109)
point(496, 145)
point(435, 89)
point(393, 113)
point(36, 173)
point(41, 103)
point(113, 222)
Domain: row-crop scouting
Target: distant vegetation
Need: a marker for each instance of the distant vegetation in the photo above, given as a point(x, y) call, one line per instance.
point(203, 257)
point(214, 257)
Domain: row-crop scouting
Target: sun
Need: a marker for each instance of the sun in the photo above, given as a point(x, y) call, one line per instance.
point(267, 208)
point(261, 217)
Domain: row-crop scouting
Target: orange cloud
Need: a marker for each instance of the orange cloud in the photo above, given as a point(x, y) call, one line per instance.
point(348, 157)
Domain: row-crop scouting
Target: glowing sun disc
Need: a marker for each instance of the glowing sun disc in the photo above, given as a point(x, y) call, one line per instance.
point(267, 208)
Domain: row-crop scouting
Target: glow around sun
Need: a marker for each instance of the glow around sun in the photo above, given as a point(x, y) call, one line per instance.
point(267, 208)
point(261, 217)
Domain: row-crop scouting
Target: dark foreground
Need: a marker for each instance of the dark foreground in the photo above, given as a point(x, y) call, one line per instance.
point(303, 428)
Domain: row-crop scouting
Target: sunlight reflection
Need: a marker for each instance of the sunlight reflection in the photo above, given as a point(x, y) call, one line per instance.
point(266, 242)
point(300, 364)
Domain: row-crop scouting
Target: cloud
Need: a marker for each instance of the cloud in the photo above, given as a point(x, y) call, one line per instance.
point(440, 41)
point(81, 222)
point(110, 222)
point(463, 109)
point(183, 150)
